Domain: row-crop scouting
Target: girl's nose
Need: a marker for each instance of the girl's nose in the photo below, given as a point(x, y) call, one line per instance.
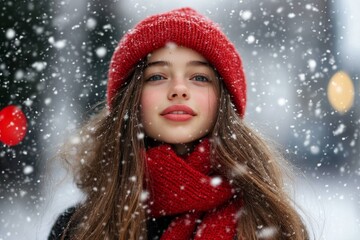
point(178, 90)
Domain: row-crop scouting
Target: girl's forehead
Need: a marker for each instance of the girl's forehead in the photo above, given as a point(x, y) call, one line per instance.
point(173, 52)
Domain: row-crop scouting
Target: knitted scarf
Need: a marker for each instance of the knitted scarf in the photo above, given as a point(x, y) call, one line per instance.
point(203, 206)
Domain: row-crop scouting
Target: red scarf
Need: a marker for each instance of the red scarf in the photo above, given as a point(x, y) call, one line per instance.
point(205, 208)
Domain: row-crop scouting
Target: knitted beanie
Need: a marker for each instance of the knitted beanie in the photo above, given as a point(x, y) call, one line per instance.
point(184, 27)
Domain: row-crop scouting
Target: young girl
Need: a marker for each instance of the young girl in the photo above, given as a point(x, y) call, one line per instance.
point(170, 156)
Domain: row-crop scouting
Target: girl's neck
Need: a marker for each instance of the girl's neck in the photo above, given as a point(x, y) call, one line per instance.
point(183, 149)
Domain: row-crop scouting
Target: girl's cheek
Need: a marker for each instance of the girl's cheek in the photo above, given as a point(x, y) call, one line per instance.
point(149, 101)
point(146, 96)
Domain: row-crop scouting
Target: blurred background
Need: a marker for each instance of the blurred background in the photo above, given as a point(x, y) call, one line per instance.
point(301, 60)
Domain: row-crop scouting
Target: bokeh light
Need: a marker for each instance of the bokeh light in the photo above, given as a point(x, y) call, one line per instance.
point(340, 92)
point(13, 125)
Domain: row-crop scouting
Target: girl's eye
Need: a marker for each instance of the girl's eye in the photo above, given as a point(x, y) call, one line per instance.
point(200, 78)
point(155, 78)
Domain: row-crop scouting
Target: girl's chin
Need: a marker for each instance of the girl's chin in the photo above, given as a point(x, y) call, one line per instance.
point(179, 141)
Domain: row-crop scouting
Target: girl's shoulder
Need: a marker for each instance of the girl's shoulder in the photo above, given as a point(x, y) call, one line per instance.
point(60, 224)
point(155, 227)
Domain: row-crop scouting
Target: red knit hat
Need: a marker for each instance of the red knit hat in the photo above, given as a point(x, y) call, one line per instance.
point(187, 28)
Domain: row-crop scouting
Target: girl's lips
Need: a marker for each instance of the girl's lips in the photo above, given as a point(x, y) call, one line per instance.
point(178, 117)
point(178, 113)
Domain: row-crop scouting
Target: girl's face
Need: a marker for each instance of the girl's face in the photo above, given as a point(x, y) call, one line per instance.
point(179, 100)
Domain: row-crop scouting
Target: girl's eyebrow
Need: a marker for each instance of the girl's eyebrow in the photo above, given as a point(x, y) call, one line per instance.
point(198, 63)
point(158, 63)
point(167, 63)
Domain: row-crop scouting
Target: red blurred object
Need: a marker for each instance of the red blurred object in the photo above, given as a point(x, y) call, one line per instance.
point(13, 125)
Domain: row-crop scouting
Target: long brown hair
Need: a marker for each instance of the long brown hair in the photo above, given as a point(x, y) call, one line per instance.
point(110, 169)
point(257, 170)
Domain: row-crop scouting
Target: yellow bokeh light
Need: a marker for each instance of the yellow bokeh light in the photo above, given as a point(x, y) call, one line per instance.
point(340, 92)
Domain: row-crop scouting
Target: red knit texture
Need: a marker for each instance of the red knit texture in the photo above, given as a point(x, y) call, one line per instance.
point(184, 27)
point(182, 187)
